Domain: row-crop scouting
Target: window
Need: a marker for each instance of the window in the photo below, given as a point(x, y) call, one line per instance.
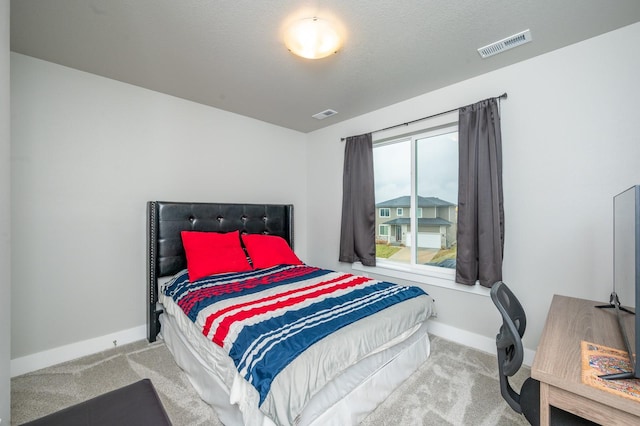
point(385, 212)
point(420, 173)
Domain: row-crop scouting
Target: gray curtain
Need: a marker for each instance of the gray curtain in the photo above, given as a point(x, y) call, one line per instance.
point(357, 233)
point(480, 203)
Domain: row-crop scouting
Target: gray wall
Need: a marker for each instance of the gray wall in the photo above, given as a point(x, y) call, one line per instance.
point(5, 274)
point(570, 142)
point(88, 152)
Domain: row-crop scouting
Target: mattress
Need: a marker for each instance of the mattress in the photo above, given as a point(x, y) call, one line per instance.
point(328, 395)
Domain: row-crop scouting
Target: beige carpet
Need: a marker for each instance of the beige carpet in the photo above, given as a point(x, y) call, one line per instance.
point(456, 386)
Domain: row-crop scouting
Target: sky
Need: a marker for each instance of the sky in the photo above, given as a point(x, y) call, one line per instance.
point(437, 168)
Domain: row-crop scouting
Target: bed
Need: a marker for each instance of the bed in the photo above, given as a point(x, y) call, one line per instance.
point(326, 376)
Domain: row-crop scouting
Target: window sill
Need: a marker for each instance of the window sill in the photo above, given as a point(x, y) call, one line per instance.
point(437, 277)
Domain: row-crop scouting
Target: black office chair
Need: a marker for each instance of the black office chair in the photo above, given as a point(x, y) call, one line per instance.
point(510, 355)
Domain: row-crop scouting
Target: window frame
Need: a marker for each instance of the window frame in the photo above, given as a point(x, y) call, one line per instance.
point(421, 274)
point(387, 209)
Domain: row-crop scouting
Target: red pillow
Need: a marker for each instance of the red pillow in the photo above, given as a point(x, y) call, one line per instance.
point(269, 250)
point(211, 253)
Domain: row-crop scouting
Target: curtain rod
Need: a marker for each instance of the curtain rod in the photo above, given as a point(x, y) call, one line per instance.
point(503, 96)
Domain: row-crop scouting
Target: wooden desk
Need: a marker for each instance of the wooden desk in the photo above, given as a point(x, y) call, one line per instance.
point(557, 364)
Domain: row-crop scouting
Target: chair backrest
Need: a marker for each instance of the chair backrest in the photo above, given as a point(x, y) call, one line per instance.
point(509, 340)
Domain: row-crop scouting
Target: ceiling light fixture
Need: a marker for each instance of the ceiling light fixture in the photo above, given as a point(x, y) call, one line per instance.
point(312, 38)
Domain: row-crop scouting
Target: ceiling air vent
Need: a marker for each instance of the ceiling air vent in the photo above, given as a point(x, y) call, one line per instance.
point(324, 114)
point(505, 44)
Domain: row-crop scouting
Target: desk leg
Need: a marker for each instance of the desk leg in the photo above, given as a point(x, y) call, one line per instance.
point(544, 404)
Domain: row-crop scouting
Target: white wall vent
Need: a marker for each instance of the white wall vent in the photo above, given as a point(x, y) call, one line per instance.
point(505, 44)
point(324, 114)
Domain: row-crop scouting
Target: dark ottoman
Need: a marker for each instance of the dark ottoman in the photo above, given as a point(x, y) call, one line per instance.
point(135, 404)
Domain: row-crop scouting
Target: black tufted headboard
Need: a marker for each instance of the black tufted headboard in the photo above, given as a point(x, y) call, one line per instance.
point(165, 221)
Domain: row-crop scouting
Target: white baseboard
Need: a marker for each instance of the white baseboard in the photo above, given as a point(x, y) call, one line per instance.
point(473, 340)
point(29, 363)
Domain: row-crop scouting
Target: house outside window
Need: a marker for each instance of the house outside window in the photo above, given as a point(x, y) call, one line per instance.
point(417, 179)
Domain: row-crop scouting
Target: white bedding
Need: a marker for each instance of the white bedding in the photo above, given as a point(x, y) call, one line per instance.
point(311, 387)
point(346, 400)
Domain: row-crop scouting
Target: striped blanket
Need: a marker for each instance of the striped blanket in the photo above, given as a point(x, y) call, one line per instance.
point(264, 319)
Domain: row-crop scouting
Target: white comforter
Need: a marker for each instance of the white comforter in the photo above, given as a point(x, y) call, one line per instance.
point(316, 365)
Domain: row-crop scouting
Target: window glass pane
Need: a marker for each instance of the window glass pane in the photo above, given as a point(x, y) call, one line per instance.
point(437, 190)
point(392, 169)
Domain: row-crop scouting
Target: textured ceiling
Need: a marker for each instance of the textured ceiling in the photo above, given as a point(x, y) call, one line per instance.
point(230, 54)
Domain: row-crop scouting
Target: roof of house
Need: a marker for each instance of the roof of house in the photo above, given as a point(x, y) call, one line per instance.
point(422, 221)
point(405, 201)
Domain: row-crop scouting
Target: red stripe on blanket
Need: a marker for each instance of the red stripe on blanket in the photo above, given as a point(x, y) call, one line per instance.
point(192, 298)
point(223, 329)
point(211, 318)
